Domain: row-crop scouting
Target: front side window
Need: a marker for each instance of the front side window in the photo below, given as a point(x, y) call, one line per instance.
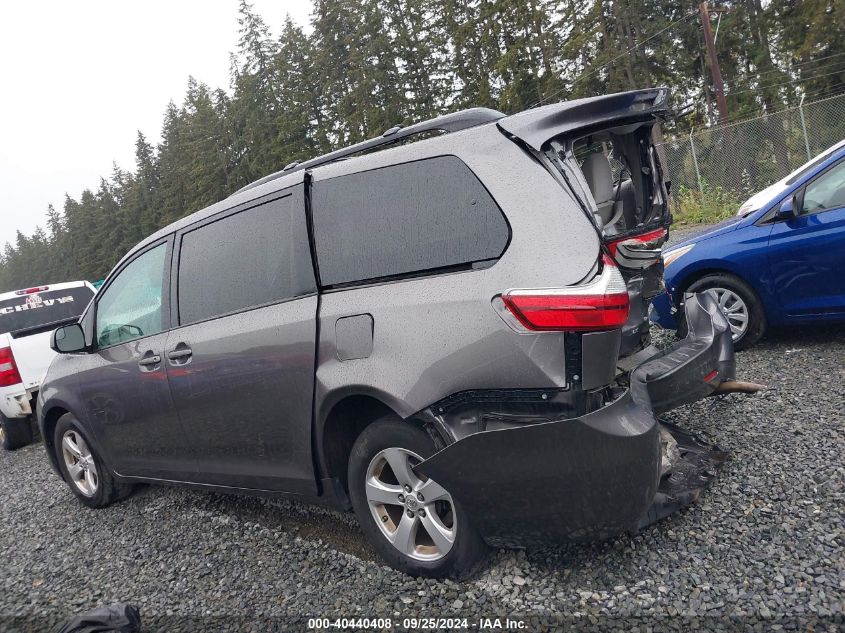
point(825, 192)
point(404, 219)
point(247, 259)
point(130, 307)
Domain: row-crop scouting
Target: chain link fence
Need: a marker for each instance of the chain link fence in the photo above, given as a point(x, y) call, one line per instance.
point(713, 171)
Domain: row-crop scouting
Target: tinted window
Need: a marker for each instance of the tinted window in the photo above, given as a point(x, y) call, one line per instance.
point(827, 191)
point(130, 307)
point(31, 311)
point(403, 219)
point(251, 258)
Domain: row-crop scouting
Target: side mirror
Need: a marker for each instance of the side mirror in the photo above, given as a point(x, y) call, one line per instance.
point(788, 209)
point(68, 339)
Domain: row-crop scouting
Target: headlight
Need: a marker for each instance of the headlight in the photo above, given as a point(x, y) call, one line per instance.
point(671, 256)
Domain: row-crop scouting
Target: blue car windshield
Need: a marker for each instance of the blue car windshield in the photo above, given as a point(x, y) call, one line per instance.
point(770, 193)
point(807, 167)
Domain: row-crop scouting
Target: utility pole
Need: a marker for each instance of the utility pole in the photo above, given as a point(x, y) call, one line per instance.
point(715, 71)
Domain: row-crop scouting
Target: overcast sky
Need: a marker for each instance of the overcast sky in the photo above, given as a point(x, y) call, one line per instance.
point(80, 78)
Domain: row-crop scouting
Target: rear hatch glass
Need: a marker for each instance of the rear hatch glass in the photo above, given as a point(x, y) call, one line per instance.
point(31, 313)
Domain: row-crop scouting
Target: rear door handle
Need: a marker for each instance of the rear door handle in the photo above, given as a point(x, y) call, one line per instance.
point(148, 361)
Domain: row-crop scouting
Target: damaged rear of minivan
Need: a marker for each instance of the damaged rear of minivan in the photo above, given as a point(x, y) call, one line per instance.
point(589, 460)
point(447, 335)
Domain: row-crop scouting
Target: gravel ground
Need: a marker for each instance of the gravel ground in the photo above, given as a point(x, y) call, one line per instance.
point(764, 548)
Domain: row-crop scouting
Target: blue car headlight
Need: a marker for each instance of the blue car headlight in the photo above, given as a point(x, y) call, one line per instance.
point(673, 254)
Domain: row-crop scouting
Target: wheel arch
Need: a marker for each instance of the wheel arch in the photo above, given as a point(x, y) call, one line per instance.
point(342, 425)
point(700, 273)
point(345, 420)
point(48, 428)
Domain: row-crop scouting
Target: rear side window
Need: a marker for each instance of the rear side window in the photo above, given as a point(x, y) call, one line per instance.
point(251, 258)
point(32, 311)
point(404, 219)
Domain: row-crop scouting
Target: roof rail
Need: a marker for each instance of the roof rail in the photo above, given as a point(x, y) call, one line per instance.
point(447, 123)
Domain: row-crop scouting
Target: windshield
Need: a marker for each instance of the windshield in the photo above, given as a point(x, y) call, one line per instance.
point(762, 197)
point(32, 311)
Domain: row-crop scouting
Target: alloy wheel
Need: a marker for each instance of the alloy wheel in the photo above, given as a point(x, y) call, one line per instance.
point(734, 309)
point(416, 515)
point(80, 463)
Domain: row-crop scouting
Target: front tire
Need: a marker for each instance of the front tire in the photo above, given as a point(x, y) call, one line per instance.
point(82, 468)
point(740, 304)
point(15, 433)
point(413, 523)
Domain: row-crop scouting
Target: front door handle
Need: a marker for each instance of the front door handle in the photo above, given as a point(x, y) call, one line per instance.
point(182, 353)
point(149, 361)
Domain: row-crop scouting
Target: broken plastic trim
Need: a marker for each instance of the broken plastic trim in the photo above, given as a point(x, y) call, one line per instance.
point(478, 410)
point(690, 369)
point(688, 465)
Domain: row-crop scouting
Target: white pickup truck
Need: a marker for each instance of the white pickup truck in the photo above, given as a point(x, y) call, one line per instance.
point(27, 320)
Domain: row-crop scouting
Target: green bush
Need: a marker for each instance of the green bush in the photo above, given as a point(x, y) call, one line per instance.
point(704, 207)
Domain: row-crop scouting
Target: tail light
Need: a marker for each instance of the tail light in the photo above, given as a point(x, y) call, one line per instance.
point(9, 374)
point(599, 305)
point(646, 241)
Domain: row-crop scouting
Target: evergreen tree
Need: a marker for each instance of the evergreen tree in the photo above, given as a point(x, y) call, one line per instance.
point(367, 65)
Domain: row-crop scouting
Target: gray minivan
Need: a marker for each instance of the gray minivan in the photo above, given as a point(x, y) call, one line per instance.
point(444, 329)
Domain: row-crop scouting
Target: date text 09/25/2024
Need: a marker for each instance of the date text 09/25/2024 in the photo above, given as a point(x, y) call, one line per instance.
point(413, 624)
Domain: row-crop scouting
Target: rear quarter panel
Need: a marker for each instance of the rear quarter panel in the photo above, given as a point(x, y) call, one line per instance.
point(437, 335)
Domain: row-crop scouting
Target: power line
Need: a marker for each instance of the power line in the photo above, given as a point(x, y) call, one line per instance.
point(831, 90)
point(785, 83)
point(795, 80)
point(626, 52)
point(747, 119)
point(794, 67)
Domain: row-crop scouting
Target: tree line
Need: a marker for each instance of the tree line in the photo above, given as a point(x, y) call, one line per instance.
point(365, 65)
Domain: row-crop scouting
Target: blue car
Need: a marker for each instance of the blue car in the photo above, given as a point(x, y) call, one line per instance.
point(780, 261)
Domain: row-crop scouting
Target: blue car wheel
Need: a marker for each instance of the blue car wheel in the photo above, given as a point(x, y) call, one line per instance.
point(740, 304)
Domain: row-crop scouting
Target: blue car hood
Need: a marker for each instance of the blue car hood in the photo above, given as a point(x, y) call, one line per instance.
point(725, 226)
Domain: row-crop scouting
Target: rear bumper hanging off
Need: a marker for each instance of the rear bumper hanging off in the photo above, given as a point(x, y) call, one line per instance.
point(613, 470)
point(692, 368)
point(588, 477)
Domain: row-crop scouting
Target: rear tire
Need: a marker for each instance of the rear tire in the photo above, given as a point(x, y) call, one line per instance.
point(456, 546)
point(15, 433)
point(731, 286)
point(82, 468)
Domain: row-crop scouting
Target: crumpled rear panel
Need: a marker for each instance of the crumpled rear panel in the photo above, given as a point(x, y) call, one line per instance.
point(584, 478)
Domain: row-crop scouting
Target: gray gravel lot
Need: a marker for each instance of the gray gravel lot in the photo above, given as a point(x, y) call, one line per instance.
point(764, 547)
